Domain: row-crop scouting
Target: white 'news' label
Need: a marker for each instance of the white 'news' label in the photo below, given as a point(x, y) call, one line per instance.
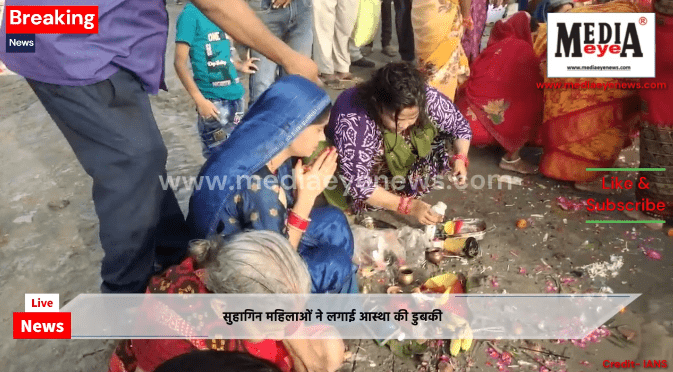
point(601, 45)
point(42, 302)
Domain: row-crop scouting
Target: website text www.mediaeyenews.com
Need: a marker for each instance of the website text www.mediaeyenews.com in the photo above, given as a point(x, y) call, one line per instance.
point(604, 86)
point(395, 183)
point(599, 68)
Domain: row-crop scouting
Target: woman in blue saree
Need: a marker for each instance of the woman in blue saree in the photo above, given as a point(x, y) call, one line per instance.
point(257, 189)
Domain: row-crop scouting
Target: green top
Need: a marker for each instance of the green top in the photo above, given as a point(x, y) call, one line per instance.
point(210, 53)
point(400, 155)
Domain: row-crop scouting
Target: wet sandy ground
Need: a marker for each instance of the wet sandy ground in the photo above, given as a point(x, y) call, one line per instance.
point(49, 242)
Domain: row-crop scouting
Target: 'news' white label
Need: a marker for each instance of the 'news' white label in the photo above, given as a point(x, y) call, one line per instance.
point(42, 302)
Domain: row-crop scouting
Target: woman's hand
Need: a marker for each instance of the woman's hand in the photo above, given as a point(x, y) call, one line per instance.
point(207, 109)
point(424, 214)
point(460, 171)
point(312, 181)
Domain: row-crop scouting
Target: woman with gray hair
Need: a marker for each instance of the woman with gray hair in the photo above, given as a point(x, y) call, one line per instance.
point(241, 265)
point(237, 265)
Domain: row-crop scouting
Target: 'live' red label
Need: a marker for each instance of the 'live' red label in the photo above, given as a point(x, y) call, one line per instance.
point(42, 326)
point(51, 19)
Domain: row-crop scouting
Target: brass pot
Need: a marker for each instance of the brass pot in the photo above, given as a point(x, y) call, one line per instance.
point(434, 255)
point(406, 275)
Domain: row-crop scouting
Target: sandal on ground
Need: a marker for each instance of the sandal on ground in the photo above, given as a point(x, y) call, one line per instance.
point(350, 78)
point(518, 165)
point(334, 84)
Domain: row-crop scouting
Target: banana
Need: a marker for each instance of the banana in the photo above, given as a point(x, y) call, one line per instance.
point(467, 338)
point(454, 348)
point(466, 343)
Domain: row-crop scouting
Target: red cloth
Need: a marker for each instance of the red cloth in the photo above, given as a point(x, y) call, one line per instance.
point(149, 354)
point(501, 99)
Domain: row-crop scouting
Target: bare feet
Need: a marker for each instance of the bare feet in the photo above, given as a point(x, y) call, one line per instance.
point(344, 75)
point(640, 216)
point(595, 186)
point(518, 165)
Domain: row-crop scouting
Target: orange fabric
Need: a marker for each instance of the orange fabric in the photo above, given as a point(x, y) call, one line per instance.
point(585, 127)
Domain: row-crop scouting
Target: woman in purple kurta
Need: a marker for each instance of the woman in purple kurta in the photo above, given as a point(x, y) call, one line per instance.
point(390, 133)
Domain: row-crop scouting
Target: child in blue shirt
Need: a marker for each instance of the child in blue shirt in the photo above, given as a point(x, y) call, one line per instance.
point(215, 86)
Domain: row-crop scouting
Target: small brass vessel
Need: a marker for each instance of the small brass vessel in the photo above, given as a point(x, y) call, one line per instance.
point(406, 275)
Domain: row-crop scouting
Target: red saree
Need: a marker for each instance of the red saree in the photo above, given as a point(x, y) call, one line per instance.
point(501, 99)
point(149, 354)
point(656, 131)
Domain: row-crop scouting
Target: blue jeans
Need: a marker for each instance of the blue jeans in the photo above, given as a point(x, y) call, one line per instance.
point(293, 25)
point(215, 131)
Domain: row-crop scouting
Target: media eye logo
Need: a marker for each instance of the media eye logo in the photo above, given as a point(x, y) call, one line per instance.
point(20, 43)
point(600, 38)
point(600, 45)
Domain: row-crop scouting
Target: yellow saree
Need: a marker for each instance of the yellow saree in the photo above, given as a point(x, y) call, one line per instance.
point(438, 30)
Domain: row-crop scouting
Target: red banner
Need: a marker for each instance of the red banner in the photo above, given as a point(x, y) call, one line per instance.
point(42, 326)
point(63, 19)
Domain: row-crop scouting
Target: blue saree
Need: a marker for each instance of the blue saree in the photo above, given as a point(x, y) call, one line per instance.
point(248, 196)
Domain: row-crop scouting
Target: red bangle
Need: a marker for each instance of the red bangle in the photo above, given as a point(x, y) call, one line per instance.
point(463, 158)
point(402, 205)
point(293, 220)
point(405, 205)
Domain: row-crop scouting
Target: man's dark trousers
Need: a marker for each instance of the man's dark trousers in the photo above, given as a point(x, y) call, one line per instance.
point(405, 31)
point(403, 27)
point(111, 128)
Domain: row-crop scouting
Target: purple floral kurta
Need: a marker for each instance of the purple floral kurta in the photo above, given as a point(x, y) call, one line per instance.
point(360, 145)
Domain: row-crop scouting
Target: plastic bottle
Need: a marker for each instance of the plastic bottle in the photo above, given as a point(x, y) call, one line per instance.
point(439, 208)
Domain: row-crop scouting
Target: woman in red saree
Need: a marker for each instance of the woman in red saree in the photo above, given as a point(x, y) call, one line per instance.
point(229, 268)
point(501, 99)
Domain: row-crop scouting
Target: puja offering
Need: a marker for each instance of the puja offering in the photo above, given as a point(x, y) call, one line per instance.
point(468, 247)
point(434, 255)
point(521, 224)
point(459, 237)
point(406, 275)
point(461, 228)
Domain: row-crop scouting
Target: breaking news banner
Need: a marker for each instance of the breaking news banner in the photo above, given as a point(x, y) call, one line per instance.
point(600, 45)
point(323, 316)
point(23, 22)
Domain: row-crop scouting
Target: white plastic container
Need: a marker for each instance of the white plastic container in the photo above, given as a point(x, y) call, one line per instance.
point(439, 208)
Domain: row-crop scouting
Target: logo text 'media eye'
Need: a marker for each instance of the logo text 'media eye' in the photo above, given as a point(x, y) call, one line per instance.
point(597, 38)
